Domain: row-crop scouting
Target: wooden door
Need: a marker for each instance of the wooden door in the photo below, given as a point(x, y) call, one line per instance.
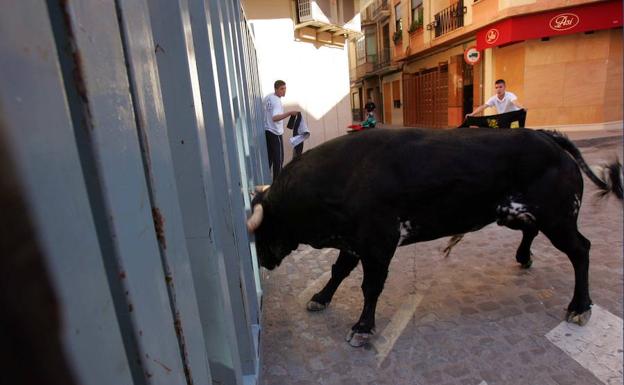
point(387, 96)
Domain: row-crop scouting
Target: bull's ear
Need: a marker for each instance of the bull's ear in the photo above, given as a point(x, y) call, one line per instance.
point(255, 219)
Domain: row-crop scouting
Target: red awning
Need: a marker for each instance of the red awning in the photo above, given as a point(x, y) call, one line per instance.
point(582, 18)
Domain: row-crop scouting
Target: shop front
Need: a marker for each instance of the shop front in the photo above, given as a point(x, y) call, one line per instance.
point(564, 65)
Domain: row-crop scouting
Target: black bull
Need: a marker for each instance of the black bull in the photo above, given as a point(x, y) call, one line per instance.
point(366, 194)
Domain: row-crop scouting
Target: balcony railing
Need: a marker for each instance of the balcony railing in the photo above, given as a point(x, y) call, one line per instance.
point(366, 66)
point(449, 19)
point(384, 59)
point(382, 9)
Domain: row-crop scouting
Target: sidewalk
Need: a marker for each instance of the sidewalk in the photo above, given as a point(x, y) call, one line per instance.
point(474, 318)
point(583, 136)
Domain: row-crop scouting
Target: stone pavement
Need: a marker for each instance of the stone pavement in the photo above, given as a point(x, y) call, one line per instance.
point(474, 318)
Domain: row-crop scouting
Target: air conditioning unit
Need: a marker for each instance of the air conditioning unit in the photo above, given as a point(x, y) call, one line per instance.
point(312, 10)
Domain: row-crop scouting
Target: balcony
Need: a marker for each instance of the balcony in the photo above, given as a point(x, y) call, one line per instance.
point(318, 21)
point(366, 66)
point(381, 10)
point(377, 11)
point(448, 19)
point(352, 74)
point(384, 60)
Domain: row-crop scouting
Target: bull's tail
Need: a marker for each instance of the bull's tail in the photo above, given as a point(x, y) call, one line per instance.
point(607, 177)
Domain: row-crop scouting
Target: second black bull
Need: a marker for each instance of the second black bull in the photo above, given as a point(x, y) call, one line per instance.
point(369, 193)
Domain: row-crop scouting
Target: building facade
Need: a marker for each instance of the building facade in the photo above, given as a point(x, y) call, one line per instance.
point(303, 42)
point(373, 73)
point(563, 59)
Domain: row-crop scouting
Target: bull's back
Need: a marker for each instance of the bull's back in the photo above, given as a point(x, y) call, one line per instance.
point(417, 157)
point(410, 172)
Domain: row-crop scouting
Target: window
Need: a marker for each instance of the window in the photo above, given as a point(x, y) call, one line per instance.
point(360, 50)
point(417, 15)
point(397, 17)
point(371, 45)
point(396, 93)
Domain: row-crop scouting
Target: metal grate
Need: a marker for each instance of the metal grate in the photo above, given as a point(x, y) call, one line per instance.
point(305, 10)
point(449, 19)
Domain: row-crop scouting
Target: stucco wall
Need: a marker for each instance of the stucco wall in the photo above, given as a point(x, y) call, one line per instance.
point(573, 79)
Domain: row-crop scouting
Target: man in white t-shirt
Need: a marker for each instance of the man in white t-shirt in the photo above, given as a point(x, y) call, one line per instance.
point(274, 126)
point(503, 101)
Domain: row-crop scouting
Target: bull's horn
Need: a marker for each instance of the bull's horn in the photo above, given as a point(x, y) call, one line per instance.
point(256, 218)
point(262, 188)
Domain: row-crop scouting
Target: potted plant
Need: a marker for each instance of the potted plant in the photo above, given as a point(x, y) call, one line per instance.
point(397, 36)
point(416, 24)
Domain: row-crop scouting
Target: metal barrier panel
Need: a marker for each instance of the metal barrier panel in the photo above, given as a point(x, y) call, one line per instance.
point(230, 186)
point(137, 136)
point(39, 132)
point(160, 175)
point(111, 146)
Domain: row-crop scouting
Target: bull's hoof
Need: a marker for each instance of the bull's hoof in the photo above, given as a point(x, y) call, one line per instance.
point(316, 306)
point(527, 264)
point(579, 319)
point(357, 339)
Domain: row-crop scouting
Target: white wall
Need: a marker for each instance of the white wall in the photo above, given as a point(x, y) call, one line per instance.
point(316, 76)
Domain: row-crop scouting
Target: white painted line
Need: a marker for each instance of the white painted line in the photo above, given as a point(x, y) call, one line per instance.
point(483, 383)
point(384, 342)
point(597, 346)
point(313, 288)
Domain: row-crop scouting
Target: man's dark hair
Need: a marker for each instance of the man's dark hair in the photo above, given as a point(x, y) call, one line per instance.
point(500, 81)
point(278, 84)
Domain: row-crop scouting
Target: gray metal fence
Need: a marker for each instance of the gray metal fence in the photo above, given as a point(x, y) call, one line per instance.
point(134, 130)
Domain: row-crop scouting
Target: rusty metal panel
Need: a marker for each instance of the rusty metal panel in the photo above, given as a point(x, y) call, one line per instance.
point(144, 138)
point(39, 132)
point(244, 129)
point(257, 141)
point(225, 125)
point(195, 120)
point(160, 176)
point(122, 207)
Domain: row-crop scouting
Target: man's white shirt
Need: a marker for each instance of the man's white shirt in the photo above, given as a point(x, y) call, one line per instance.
point(504, 105)
point(273, 106)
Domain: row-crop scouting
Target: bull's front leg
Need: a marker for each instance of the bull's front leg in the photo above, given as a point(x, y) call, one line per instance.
point(375, 273)
point(345, 263)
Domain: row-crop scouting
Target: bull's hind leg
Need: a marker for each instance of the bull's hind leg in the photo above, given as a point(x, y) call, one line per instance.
point(523, 255)
point(576, 246)
point(345, 263)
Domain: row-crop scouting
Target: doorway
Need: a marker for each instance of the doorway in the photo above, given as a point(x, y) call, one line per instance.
point(468, 88)
point(387, 97)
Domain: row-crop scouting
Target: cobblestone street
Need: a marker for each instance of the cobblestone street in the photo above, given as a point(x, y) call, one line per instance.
point(473, 318)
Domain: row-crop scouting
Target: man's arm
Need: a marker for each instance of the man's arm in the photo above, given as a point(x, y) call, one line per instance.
point(477, 110)
point(278, 117)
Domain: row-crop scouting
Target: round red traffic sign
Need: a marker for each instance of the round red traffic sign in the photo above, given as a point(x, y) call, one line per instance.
point(472, 55)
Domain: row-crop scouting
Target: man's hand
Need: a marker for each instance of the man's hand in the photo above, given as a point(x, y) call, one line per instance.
point(293, 113)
